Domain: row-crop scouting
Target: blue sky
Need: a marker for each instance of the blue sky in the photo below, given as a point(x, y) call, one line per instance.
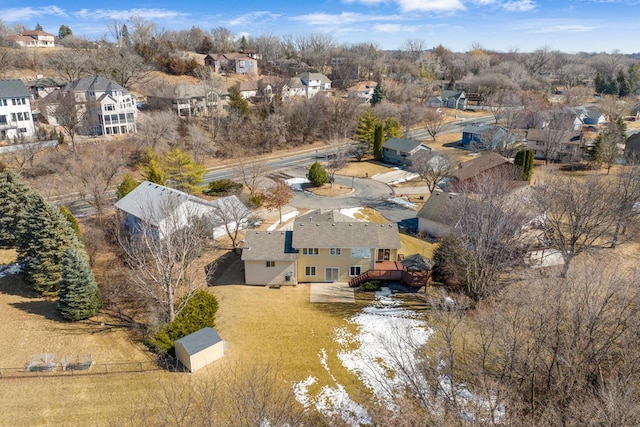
point(523, 25)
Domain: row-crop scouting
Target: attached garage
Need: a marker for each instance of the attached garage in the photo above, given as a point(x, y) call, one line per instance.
point(200, 348)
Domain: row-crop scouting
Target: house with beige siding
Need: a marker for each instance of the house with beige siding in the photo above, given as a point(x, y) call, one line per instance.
point(323, 246)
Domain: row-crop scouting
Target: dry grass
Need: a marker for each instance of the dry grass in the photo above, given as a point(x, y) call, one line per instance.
point(363, 169)
point(412, 245)
point(8, 256)
point(329, 190)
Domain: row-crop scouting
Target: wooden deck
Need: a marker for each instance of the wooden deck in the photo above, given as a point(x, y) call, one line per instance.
point(392, 271)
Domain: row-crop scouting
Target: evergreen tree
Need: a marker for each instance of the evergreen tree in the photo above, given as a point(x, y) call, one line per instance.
point(73, 222)
point(597, 151)
point(524, 163)
point(46, 234)
point(244, 44)
point(79, 296)
point(624, 89)
point(377, 143)
point(39, 27)
point(127, 185)
point(64, 31)
point(237, 104)
point(317, 175)
point(378, 95)
point(600, 83)
point(206, 46)
point(152, 167)
point(13, 200)
point(367, 123)
point(392, 128)
point(182, 172)
point(126, 38)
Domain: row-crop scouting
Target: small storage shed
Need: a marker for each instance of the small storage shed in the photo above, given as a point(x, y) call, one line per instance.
point(200, 348)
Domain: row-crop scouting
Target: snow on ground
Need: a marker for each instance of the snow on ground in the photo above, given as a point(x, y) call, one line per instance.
point(286, 217)
point(382, 354)
point(8, 270)
point(350, 212)
point(402, 202)
point(407, 177)
point(296, 183)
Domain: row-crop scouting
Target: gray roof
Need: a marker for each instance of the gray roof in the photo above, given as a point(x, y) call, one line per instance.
point(451, 94)
point(306, 76)
point(199, 340)
point(323, 215)
point(404, 145)
point(480, 129)
point(153, 202)
point(268, 245)
point(94, 83)
point(354, 234)
point(439, 207)
point(13, 88)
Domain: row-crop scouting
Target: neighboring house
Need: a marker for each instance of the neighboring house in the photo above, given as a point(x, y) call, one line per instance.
point(440, 214)
point(486, 164)
point(555, 145)
point(196, 100)
point(456, 99)
point(36, 38)
point(43, 86)
point(398, 151)
point(314, 83)
point(164, 210)
point(248, 88)
point(104, 107)
point(437, 216)
point(363, 90)
point(238, 63)
point(485, 137)
point(632, 148)
point(16, 119)
point(590, 116)
point(323, 246)
point(293, 88)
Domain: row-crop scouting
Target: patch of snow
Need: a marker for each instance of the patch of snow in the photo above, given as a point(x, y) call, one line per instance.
point(296, 183)
point(402, 202)
point(285, 218)
point(301, 391)
point(406, 177)
point(11, 269)
point(350, 212)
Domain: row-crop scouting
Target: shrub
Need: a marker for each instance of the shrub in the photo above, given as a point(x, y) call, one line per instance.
point(256, 200)
point(370, 286)
point(317, 175)
point(223, 187)
point(199, 312)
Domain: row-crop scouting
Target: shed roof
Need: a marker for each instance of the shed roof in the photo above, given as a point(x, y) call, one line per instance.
point(13, 88)
point(199, 340)
point(439, 207)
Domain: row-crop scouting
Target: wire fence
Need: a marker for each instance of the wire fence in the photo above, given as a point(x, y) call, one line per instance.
point(96, 369)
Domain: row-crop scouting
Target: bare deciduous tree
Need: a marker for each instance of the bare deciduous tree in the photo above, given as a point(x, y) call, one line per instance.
point(162, 259)
point(277, 196)
point(233, 216)
point(432, 169)
point(434, 121)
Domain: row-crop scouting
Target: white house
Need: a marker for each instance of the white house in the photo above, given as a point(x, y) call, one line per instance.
point(106, 108)
point(164, 210)
point(363, 90)
point(16, 120)
point(314, 83)
point(36, 38)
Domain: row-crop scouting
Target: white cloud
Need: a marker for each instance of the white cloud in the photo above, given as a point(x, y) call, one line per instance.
point(519, 5)
point(19, 14)
point(430, 5)
point(394, 28)
point(150, 14)
point(342, 18)
point(250, 18)
point(554, 26)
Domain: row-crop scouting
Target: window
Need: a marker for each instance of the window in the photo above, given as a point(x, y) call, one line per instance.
point(4, 102)
point(309, 251)
point(19, 117)
point(109, 107)
point(355, 270)
point(241, 64)
point(13, 117)
point(22, 130)
point(384, 254)
point(310, 270)
point(335, 251)
point(270, 264)
point(3, 120)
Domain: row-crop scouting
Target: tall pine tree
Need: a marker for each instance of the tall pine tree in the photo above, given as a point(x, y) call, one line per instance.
point(46, 234)
point(377, 143)
point(13, 200)
point(79, 296)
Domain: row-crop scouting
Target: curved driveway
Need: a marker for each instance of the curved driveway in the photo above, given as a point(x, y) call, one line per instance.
point(366, 193)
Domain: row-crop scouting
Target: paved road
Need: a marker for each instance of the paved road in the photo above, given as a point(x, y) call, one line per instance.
point(366, 193)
